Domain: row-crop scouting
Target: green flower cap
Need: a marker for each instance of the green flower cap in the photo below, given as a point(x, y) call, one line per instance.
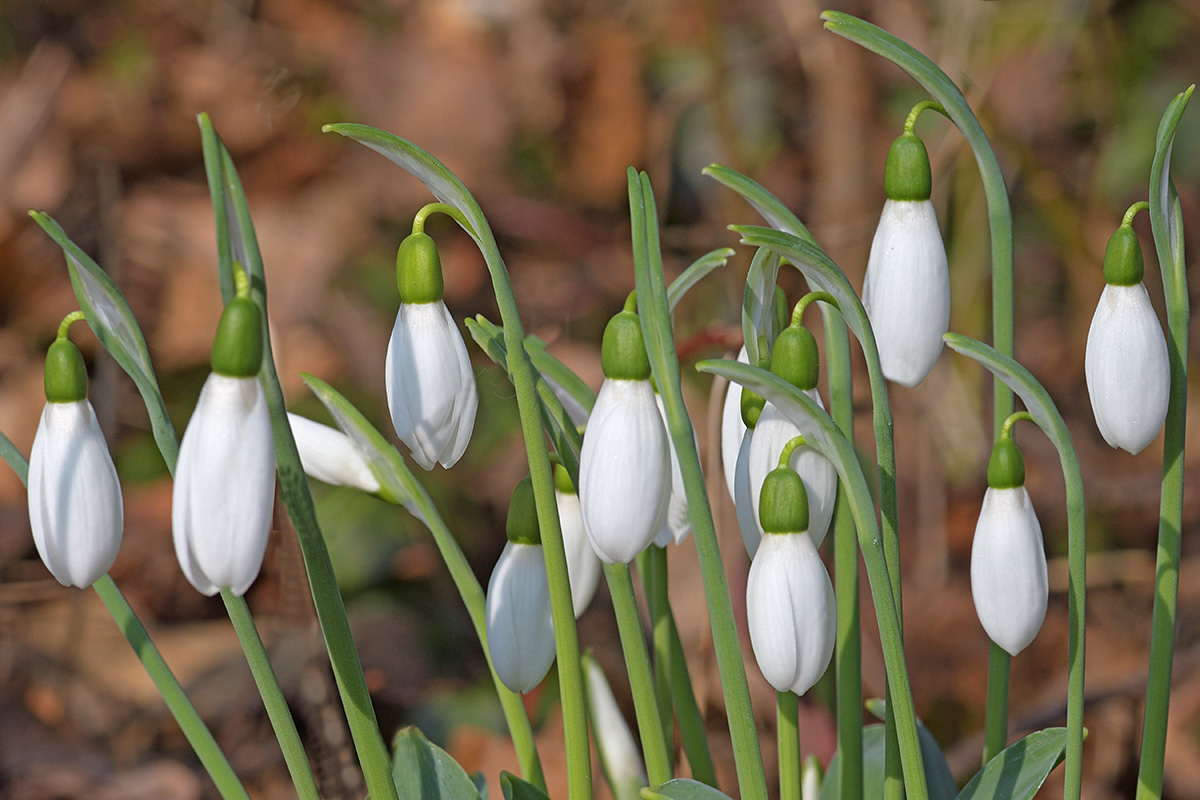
point(562, 480)
point(752, 407)
point(66, 379)
point(238, 346)
point(783, 504)
point(907, 175)
point(795, 357)
point(623, 351)
point(522, 525)
point(1123, 263)
point(419, 270)
point(1006, 467)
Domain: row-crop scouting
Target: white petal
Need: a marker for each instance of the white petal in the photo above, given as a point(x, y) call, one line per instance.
point(430, 385)
point(331, 456)
point(906, 292)
point(224, 486)
point(748, 522)
point(790, 612)
point(732, 427)
point(619, 753)
point(1008, 569)
point(770, 436)
point(75, 507)
point(624, 471)
point(677, 525)
point(1128, 376)
point(520, 631)
point(583, 567)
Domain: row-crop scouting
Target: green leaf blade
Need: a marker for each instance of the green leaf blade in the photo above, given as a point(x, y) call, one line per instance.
point(423, 771)
point(683, 789)
point(515, 788)
point(1020, 770)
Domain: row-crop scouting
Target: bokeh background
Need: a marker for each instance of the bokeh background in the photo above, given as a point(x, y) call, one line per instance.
point(539, 106)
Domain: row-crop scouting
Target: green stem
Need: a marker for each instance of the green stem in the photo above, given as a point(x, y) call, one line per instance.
point(995, 737)
point(848, 652)
point(787, 736)
point(652, 563)
point(641, 681)
point(910, 124)
point(1131, 212)
point(692, 730)
point(660, 347)
point(424, 213)
point(268, 687)
point(1167, 224)
point(193, 727)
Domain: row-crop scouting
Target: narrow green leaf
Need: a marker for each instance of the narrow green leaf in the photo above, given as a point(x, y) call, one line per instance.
point(113, 322)
point(683, 789)
point(14, 457)
point(576, 396)
point(480, 781)
point(1020, 770)
point(424, 771)
point(213, 168)
point(1166, 217)
point(937, 771)
point(765, 203)
point(695, 273)
point(516, 789)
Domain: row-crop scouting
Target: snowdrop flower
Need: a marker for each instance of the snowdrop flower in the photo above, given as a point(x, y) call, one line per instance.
point(520, 630)
point(1128, 377)
point(794, 358)
point(430, 385)
point(225, 477)
point(75, 507)
point(1008, 564)
point(790, 607)
point(620, 756)
point(331, 456)
point(677, 525)
point(906, 292)
point(583, 567)
point(624, 467)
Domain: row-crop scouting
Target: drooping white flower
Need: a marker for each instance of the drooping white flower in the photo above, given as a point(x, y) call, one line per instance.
point(624, 466)
point(906, 292)
point(620, 755)
point(1008, 569)
point(583, 566)
point(733, 427)
point(430, 385)
point(520, 630)
point(1128, 375)
point(331, 456)
point(224, 486)
point(75, 508)
point(677, 526)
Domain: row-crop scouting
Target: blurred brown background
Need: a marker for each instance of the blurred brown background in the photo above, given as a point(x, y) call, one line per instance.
point(539, 107)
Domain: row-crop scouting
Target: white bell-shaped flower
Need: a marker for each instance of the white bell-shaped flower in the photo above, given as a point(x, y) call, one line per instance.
point(625, 463)
point(677, 526)
point(1126, 366)
point(790, 606)
point(430, 386)
point(225, 476)
point(906, 291)
point(1008, 562)
point(520, 627)
point(331, 456)
point(75, 508)
point(583, 566)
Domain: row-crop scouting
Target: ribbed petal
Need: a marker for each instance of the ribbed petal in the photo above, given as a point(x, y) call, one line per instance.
point(583, 567)
point(624, 471)
point(677, 526)
point(520, 630)
point(331, 456)
point(1128, 377)
point(790, 612)
point(906, 291)
point(1008, 569)
point(732, 427)
point(224, 486)
point(767, 441)
point(430, 385)
point(75, 507)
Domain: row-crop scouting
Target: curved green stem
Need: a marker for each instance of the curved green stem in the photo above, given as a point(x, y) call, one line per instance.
point(64, 327)
point(641, 681)
point(1167, 223)
point(268, 687)
point(193, 727)
point(1140, 205)
point(429, 209)
point(925, 105)
point(787, 739)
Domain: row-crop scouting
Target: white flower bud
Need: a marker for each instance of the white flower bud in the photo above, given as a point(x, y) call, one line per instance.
point(620, 755)
point(906, 292)
point(75, 507)
point(1008, 569)
point(331, 456)
point(224, 486)
point(520, 630)
point(583, 567)
point(1128, 377)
